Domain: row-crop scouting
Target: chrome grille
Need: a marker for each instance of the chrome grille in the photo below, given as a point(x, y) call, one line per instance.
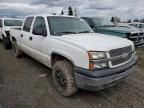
point(119, 53)
point(136, 37)
point(121, 60)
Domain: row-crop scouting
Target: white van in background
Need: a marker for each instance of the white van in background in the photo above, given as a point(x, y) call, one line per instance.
point(5, 25)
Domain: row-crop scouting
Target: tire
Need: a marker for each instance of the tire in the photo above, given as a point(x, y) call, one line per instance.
point(68, 87)
point(16, 51)
point(7, 43)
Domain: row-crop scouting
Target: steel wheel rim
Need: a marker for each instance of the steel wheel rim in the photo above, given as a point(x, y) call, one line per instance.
point(60, 79)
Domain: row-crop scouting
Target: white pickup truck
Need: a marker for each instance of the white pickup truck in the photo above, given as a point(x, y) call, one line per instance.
point(5, 25)
point(79, 58)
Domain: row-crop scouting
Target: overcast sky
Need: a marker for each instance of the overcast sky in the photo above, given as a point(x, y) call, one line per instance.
point(121, 8)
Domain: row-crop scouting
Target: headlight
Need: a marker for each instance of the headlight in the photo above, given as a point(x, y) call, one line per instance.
point(97, 60)
point(96, 55)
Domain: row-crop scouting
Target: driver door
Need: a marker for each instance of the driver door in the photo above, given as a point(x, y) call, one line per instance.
point(38, 40)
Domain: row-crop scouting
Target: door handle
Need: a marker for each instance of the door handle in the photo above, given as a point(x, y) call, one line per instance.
point(30, 38)
point(21, 35)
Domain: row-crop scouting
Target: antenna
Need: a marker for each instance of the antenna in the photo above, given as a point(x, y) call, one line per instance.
point(52, 7)
point(75, 11)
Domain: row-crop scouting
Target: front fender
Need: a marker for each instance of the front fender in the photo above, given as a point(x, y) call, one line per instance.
point(67, 56)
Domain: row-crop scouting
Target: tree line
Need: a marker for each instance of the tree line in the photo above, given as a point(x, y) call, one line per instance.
point(70, 11)
point(114, 19)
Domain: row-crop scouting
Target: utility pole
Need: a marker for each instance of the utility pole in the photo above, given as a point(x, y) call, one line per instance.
point(75, 11)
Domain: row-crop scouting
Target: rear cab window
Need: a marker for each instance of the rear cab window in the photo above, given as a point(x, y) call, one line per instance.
point(27, 24)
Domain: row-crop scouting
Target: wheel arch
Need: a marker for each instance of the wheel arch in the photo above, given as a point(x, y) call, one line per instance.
point(59, 56)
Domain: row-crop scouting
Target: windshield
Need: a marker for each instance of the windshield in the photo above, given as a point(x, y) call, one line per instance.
point(67, 25)
point(13, 23)
point(100, 22)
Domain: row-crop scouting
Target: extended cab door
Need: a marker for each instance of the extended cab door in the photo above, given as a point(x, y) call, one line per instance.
point(25, 33)
point(39, 40)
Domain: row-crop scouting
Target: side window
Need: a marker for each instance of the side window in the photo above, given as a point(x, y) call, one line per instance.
point(0, 23)
point(27, 24)
point(39, 27)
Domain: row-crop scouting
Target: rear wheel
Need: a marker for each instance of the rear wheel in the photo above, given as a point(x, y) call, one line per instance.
point(63, 78)
point(16, 51)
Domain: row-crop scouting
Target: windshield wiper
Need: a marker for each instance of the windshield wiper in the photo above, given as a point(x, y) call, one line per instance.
point(85, 32)
point(123, 26)
point(69, 32)
point(108, 26)
point(65, 32)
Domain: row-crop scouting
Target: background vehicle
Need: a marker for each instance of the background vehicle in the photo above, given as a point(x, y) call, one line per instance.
point(138, 25)
point(79, 58)
point(104, 26)
point(5, 25)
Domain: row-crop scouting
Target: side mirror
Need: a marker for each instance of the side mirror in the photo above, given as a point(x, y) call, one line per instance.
point(93, 27)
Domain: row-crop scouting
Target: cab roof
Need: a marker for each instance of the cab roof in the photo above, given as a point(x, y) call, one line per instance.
point(48, 15)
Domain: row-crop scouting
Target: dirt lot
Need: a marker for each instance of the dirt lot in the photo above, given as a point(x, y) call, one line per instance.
point(23, 85)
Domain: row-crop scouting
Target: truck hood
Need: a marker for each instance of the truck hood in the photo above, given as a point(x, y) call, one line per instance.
point(94, 41)
point(120, 29)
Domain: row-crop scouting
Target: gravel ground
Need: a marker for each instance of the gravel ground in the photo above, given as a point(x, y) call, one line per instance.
point(25, 83)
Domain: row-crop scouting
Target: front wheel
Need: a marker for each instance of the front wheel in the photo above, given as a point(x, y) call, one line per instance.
point(63, 78)
point(16, 51)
